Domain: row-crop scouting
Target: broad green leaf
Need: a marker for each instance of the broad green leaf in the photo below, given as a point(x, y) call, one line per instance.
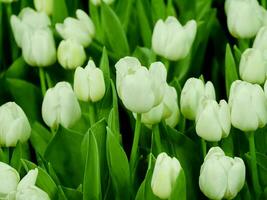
point(21, 151)
point(113, 31)
point(60, 11)
point(70, 193)
point(64, 154)
point(44, 181)
point(157, 10)
point(118, 167)
point(237, 54)
point(92, 169)
point(230, 69)
point(104, 66)
point(145, 55)
point(179, 189)
point(95, 15)
point(18, 69)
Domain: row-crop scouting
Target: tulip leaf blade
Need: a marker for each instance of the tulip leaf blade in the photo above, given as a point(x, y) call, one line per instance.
point(114, 32)
point(92, 169)
point(179, 189)
point(21, 151)
point(118, 167)
point(60, 11)
point(158, 10)
point(104, 66)
point(230, 69)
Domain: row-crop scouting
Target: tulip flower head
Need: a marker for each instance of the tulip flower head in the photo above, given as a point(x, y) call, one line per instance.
point(44, 6)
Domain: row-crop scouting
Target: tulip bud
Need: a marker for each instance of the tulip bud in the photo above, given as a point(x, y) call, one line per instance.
point(193, 91)
point(140, 89)
point(213, 121)
point(171, 40)
point(14, 125)
point(98, 2)
point(221, 176)
point(82, 29)
point(60, 106)
point(260, 41)
point(164, 176)
point(28, 19)
point(248, 106)
point(89, 84)
point(244, 17)
point(38, 47)
point(252, 66)
point(70, 54)
point(9, 179)
point(44, 6)
point(27, 189)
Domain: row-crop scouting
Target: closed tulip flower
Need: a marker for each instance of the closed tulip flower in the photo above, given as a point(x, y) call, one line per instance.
point(193, 91)
point(44, 6)
point(164, 176)
point(213, 120)
point(172, 40)
point(221, 176)
point(60, 106)
point(244, 17)
point(140, 89)
point(27, 189)
point(28, 19)
point(38, 47)
point(98, 2)
point(252, 66)
point(70, 54)
point(81, 29)
point(260, 41)
point(14, 125)
point(248, 106)
point(89, 84)
point(9, 179)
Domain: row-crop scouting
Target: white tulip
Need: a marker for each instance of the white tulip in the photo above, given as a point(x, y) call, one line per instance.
point(89, 84)
point(164, 176)
point(140, 89)
point(44, 6)
point(38, 47)
point(98, 2)
point(14, 125)
point(172, 40)
point(213, 120)
point(70, 54)
point(9, 179)
point(248, 106)
point(60, 106)
point(193, 92)
point(28, 19)
point(252, 67)
point(81, 29)
point(221, 176)
point(260, 41)
point(244, 17)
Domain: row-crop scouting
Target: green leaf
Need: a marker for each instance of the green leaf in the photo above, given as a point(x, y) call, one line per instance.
point(113, 31)
point(118, 167)
point(18, 69)
point(64, 154)
point(179, 189)
point(21, 151)
point(230, 69)
point(95, 16)
point(44, 181)
point(60, 11)
point(70, 193)
point(92, 169)
point(145, 55)
point(104, 66)
point(157, 10)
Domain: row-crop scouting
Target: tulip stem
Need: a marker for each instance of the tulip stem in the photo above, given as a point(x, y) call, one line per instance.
point(156, 135)
point(254, 169)
point(92, 113)
point(42, 80)
point(137, 131)
point(204, 147)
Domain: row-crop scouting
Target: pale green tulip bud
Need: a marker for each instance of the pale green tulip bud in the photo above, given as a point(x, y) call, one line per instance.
point(81, 29)
point(44, 6)
point(193, 92)
point(28, 19)
point(172, 40)
point(98, 2)
point(60, 106)
point(164, 176)
point(27, 189)
point(248, 106)
point(221, 176)
point(14, 125)
point(140, 89)
point(38, 47)
point(70, 54)
point(213, 121)
point(260, 41)
point(244, 17)
point(9, 179)
point(252, 67)
point(89, 84)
